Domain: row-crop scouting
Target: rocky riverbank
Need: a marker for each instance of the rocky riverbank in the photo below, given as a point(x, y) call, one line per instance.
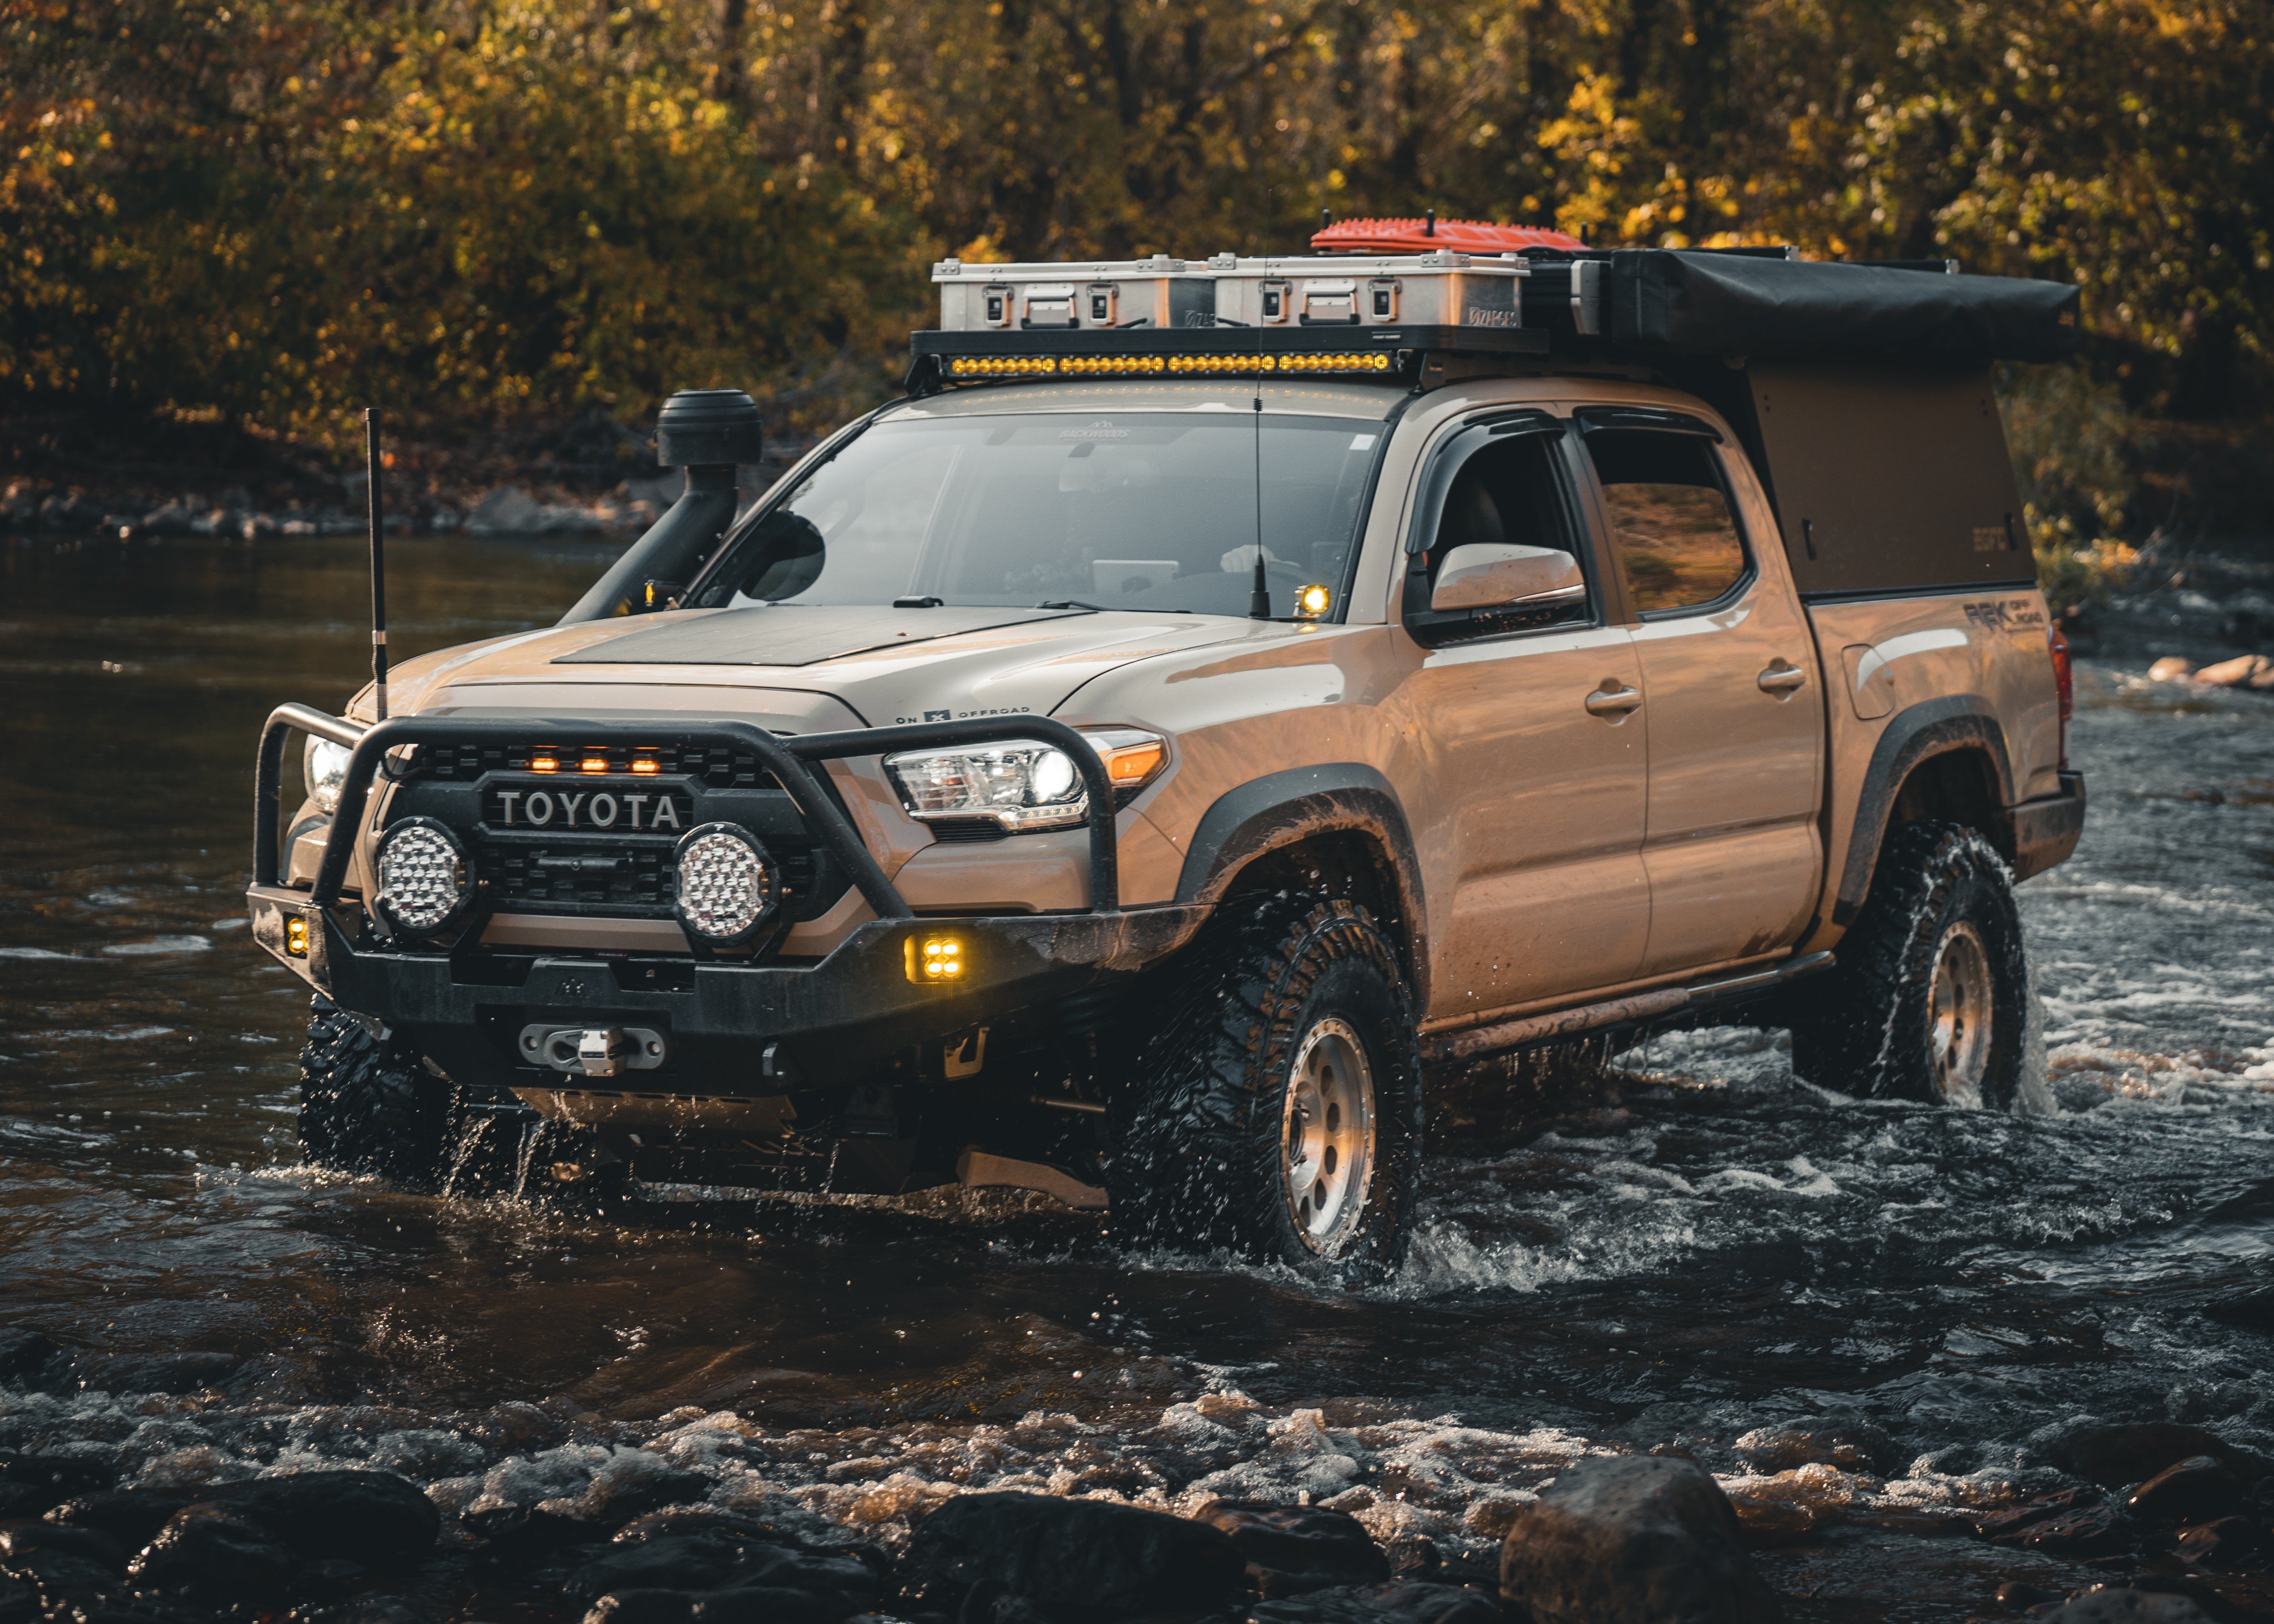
point(162, 1490)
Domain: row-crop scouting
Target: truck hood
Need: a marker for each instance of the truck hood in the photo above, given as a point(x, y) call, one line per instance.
point(886, 666)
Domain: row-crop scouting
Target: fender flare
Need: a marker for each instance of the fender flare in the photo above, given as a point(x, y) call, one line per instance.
point(1933, 727)
point(1283, 808)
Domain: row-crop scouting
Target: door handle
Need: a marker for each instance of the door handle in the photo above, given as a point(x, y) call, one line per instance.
point(1782, 678)
point(1613, 702)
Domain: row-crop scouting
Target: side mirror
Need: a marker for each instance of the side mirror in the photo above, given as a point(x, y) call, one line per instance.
point(1491, 575)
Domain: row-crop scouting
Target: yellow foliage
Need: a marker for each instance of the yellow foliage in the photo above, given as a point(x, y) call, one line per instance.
point(468, 207)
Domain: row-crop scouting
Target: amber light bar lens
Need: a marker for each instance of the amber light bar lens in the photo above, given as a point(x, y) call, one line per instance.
point(646, 764)
point(544, 762)
point(1157, 366)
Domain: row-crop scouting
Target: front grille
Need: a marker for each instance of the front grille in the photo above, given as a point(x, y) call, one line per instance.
point(561, 828)
point(614, 874)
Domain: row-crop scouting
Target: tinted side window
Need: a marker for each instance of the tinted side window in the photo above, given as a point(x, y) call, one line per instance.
point(1672, 531)
point(1511, 489)
point(1506, 492)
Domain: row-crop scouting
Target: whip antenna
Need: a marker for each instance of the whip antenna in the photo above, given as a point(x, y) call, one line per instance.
point(371, 476)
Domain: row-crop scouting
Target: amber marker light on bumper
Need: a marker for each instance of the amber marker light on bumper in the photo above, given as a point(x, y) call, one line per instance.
point(935, 960)
point(296, 936)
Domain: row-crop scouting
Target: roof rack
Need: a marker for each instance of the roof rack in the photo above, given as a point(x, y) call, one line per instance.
point(1226, 316)
point(1397, 317)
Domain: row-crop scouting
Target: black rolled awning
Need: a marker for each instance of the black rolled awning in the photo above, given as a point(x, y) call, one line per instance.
point(1678, 303)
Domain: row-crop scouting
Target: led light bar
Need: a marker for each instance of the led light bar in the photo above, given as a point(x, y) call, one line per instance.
point(1248, 364)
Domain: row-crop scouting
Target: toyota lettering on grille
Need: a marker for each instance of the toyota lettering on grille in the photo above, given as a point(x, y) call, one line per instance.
point(637, 812)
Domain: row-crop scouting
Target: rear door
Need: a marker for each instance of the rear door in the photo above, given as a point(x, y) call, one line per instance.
point(1732, 699)
point(1529, 769)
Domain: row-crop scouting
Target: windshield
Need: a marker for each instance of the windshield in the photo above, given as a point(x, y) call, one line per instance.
point(1124, 510)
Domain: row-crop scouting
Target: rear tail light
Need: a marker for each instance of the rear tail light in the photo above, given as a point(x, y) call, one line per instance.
point(2064, 684)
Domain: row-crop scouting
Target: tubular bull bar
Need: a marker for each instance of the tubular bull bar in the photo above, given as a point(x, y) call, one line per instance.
point(858, 996)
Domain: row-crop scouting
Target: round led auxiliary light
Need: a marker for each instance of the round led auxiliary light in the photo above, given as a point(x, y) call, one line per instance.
point(424, 879)
point(728, 884)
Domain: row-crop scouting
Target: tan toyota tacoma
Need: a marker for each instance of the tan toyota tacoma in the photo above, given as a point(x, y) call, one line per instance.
point(1218, 691)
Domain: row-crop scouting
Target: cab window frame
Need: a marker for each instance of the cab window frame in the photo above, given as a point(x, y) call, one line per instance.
point(1461, 441)
point(1672, 425)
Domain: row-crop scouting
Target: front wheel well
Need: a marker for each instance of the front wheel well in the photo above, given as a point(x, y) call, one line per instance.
point(1343, 864)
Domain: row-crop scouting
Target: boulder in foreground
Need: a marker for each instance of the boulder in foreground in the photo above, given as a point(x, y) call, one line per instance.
point(1075, 1559)
point(1643, 1539)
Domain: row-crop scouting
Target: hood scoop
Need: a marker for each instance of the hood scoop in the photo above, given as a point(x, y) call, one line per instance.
point(786, 635)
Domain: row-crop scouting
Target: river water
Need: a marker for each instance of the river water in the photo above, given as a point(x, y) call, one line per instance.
point(1693, 1256)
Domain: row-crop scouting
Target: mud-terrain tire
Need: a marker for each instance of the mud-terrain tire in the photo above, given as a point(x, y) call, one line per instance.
point(1275, 1109)
point(368, 1107)
point(1930, 1000)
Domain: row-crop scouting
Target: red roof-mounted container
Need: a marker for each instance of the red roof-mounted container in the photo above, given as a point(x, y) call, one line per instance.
point(1468, 236)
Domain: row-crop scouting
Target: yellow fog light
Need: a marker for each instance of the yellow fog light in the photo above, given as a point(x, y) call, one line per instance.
point(296, 936)
point(1311, 602)
point(935, 959)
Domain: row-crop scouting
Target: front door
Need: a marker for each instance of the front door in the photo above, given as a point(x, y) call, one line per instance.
point(1530, 748)
point(1733, 705)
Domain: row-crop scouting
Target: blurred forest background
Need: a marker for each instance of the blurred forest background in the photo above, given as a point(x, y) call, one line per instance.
point(260, 214)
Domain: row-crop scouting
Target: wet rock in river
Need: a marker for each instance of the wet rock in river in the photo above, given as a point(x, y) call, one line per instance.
point(646, 1606)
point(1294, 1550)
point(2127, 1607)
point(712, 1563)
point(374, 1518)
point(770, 1605)
point(174, 1374)
point(25, 1355)
point(2252, 1310)
point(1635, 1540)
point(517, 1533)
point(1086, 1559)
point(2195, 1490)
point(131, 1515)
point(2014, 1519)
point(2224, 1542)
point(375, 1609)
point(1850, 1448)
point(2251, 670)
point(216, 1551)
point(2019, 1594)
point(2087, 1531)
point(34, 1485)
point(1401, 1601)
point(2135, 1451)
point(2144, 1599)
point(58, 1577)
point(27, 1539)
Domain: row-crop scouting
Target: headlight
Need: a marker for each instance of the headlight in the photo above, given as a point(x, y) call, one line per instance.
point(424, 877)
point(1021, 784)
point(324, 765)
point(729, 885)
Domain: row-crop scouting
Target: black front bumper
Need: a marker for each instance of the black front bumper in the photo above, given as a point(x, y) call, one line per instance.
point(823, 1019)
point(727, 1023)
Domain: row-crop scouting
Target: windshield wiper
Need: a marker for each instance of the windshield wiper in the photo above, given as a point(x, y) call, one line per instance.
point(1076, 603)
